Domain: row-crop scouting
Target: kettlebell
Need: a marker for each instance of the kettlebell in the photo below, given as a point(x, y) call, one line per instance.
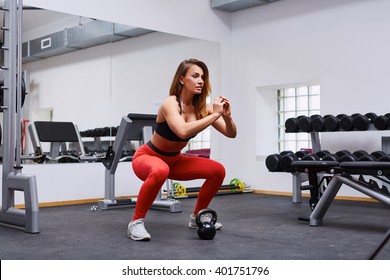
point(206, 229)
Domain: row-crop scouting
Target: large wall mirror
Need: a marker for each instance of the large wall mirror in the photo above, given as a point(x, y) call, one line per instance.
point(77, 71)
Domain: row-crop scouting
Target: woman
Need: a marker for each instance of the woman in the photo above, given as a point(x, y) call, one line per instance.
point(182, 115)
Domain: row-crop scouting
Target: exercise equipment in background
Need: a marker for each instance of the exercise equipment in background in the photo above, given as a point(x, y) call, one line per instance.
point(177, 190)
point(329, 123)
point(65, 142)
point(382, 122)
point(340, 122)
point(13, 179)
point(133, 127)
point(23, 91)
point(357, 121)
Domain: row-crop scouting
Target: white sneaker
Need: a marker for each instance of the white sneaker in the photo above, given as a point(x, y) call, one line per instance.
point(203, 218)
point(136, 231)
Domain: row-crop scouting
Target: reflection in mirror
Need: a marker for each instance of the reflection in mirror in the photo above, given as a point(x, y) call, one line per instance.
point(91, 73)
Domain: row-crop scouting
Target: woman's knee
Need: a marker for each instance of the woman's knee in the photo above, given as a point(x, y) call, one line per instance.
point(219, 171)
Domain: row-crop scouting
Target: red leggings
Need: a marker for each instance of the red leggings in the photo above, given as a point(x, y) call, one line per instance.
point(154, 168)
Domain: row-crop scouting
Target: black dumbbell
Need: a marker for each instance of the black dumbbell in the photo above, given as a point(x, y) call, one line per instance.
point(382, 122)
point(272, 162)
point(321, 154)
point(360, 153)
point(305, 123)
point(312, 157)
point(90, 132)
point(346, 155)
point(287, 159)
point(342, 153)
point(346, 122)
point(332, 123)
point(301, 153)
point(331, 157)
point(86, 133)
point(101, 131)
point(363, 155)
point(97, 132)
point(106, 131)
point(378, 154)
point(384, 158)
point(349, 157)
point(316, 156)
point(362, 122)
point(367, 157)
point(114, 130)
point(318, 124)
point(291, 124)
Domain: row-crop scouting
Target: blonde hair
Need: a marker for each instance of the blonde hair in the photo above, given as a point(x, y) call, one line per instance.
point(199, 101)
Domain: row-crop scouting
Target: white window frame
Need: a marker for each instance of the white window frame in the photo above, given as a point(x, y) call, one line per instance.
point(305, 101)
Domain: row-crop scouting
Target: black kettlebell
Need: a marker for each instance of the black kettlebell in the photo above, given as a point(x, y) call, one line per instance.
point(206, 230)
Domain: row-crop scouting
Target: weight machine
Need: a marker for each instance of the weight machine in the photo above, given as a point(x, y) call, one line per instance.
point(133, 127)
point(13, 179)
point(59, 135)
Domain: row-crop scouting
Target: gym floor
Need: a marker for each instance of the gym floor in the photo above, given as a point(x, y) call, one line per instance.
point(255, 226)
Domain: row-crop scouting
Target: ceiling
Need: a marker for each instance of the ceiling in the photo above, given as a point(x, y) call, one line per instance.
point(34, 17)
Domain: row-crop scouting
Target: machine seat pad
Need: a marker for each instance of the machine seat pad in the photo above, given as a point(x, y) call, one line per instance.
point(314, 165)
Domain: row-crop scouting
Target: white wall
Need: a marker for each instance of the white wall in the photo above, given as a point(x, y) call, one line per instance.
point(341, 43)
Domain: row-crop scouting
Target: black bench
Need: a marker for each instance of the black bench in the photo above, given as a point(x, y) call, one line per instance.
point(343, 174)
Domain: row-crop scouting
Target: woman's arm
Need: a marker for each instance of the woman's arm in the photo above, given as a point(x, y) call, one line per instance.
point(185, 129)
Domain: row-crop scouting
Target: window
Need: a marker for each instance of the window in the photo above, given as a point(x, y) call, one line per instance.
point(294, 102)
point(201, 141)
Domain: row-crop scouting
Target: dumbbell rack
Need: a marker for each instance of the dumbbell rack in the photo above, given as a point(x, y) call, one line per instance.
point(299, 178)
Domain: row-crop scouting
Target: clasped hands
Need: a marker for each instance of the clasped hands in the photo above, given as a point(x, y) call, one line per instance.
point(222, 106)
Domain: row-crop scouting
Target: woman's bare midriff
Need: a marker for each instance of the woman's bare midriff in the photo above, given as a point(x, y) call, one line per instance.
point(167, 145)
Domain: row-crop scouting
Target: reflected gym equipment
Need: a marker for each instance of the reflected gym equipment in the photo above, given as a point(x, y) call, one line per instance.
point(138, 127)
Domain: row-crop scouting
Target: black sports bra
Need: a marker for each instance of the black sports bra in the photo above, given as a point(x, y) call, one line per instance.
point(166, 132)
